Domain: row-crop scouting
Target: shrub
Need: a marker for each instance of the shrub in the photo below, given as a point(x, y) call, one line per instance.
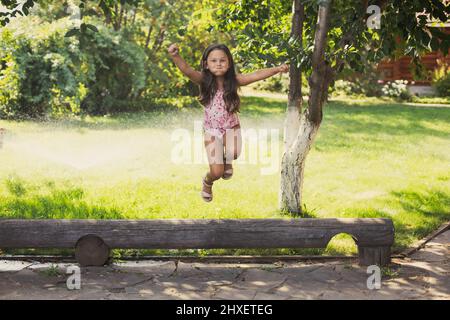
point(179, 102)
point(9, 78)
point(39, 74)
point(367, 87)
point(397, 89)
point(441, 79)
point(365, 82)
point(273, 84)
point(44, 73)
point(280, 84)
point(343, 87)
point(118, 68)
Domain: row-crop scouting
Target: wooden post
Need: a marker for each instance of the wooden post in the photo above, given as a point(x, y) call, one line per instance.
point(374, 255)
point(91, 250)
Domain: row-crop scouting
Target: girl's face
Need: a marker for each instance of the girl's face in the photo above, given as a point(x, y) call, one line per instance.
point(217, 62)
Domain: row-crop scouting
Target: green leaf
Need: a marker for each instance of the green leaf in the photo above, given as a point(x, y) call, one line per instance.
point(72, 32)
point(92, 27)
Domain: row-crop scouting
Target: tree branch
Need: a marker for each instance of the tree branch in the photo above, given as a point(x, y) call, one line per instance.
point(159, 39)
point(321, 71)
point(121, 16)
point(349, 37)
point(150, 30)
point(295, 75)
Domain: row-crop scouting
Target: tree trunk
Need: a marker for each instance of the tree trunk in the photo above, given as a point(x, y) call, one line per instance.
point(115, 17)
point(294, 107)
point(293, 161)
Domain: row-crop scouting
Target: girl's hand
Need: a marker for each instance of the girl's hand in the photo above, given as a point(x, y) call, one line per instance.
point(283, 68)
point(173, 49)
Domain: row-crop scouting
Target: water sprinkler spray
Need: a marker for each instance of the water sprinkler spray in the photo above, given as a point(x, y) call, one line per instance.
point(2, 133)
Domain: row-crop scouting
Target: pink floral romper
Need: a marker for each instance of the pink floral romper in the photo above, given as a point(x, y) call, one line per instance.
point(217, 119)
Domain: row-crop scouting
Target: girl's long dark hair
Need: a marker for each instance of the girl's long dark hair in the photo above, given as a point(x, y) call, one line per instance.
point(208, 87)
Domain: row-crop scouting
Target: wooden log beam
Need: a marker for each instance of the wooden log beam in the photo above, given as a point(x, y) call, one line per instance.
point(198, 234)
point(191, 234)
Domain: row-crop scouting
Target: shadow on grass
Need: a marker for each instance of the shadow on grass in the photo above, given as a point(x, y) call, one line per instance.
point(258, 107)
point(430, 207)
point(345, 122)
point(46, 201)
point(159, 117)
point(50, 202)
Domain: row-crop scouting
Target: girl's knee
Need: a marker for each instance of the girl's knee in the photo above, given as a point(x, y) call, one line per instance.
point(216, 172)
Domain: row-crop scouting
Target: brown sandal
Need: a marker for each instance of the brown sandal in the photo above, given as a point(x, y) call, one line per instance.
point(207, 197)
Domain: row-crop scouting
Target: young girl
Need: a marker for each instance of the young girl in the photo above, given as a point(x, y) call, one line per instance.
point(218, 83)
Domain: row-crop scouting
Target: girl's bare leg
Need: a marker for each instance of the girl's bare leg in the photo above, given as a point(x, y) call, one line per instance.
point(232, 141)
point(214, 150)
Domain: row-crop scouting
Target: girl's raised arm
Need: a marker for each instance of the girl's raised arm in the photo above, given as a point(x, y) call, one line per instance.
point(187, 70)
point(245, 79)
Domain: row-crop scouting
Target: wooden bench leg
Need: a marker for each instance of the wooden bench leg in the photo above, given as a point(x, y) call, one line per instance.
point(380, 256)
point(91, 250)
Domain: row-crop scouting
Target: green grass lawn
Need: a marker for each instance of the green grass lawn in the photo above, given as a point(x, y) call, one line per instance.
point(370, 159)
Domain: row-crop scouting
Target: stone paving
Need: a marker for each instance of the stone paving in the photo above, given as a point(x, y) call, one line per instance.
point(424, 275)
